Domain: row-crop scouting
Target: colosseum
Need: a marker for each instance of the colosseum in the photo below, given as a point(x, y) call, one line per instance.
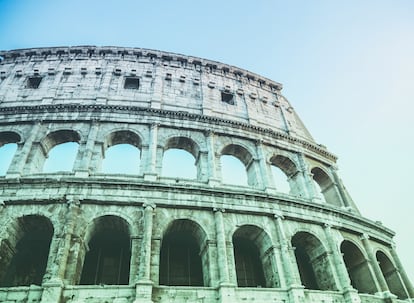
point(86, 234)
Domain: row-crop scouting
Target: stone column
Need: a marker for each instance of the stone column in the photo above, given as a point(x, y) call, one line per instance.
point(265, 173)
point(285, 122)
point(144, 283)
point(82, 163)
point(373, 263)
point(277, 250)
point(202, 166)
point(58, 256)
point(150, 172)
point(291, 274)
point(253, 174)
point(350, 294)
point(341, 191)
point(145, 259)
point(221, 247)
point(287, 254)
point(306, 178)
point(401, 271)
point(22, 154)
point(213, 178)
point(135, 259)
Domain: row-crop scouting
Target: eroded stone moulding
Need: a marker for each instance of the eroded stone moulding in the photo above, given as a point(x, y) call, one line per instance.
point(77, 226)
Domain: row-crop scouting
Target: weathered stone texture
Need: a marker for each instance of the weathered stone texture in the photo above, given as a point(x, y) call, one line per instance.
point(253, 243)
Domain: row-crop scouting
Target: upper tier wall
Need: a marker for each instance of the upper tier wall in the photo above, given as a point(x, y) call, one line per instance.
point(145, 78)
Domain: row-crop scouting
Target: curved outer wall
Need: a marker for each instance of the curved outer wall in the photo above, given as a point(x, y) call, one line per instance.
point(310, 246)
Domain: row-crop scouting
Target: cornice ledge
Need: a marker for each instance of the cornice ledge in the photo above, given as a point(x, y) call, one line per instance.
point(162, 112)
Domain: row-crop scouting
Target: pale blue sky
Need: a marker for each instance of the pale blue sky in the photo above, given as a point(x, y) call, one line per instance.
point(347, 67)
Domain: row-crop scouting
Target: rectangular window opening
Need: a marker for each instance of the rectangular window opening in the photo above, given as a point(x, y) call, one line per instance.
point(227, 98)
point(131, 83)
point(33, 82)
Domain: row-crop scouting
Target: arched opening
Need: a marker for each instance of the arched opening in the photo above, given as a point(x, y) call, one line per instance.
point(7, 152)
point(285, 175)
point(180, 159)
point(320, 198)
point(178, 163)
point(121, 159)
point(253, 257)
point(237, 166)
point(390, 273)
point(61, 148)
point(8, 148)
point(61, 157)
point(280, 179)
point(313, 263)
point(107, 260)
point(26, 252)
point(181, 259)
point(326, 186)
point(122, 153)
point(358, 268)
point(233, 171)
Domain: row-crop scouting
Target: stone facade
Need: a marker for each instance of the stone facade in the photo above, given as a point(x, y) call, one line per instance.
point(89, 236)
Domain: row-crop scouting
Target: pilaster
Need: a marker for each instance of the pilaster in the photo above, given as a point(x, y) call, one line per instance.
point(406, 281)
point(350, 294)
point(221, 247)
point(291, 274)
point(22, 154)
point(150, 172)
point(378, 277)
point(144, 284)
point(82, 163)
point(213, 177)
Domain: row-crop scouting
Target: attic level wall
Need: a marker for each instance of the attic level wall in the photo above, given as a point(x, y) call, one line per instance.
point(160, 83)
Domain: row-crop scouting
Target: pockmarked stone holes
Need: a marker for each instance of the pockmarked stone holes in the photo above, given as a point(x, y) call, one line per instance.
point(134, 175)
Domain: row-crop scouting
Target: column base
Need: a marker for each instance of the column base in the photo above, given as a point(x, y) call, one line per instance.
point(52, 291)
point(351, 295)
point(213, 182)
point(143, 291)
point(82, 173)
point(387, 296)
point(227, 293)
point(296, 293)
point(151, 177)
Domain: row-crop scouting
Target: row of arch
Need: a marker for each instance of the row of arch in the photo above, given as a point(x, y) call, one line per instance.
point(178, 157)
point(184, 258)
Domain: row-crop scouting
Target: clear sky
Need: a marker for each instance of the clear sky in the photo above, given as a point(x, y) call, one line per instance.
point(347, 68)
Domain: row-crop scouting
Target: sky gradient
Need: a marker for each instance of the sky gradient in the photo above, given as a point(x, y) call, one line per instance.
point(347, 68)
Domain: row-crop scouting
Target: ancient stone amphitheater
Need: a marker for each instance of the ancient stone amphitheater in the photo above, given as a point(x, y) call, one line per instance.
point(87, 235)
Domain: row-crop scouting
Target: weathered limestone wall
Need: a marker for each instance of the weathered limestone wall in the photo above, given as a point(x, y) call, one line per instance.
point(310, 249)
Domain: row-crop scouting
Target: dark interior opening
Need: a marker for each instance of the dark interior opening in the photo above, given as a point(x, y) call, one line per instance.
point(306, 272)
point(108, 259)
point(180, 262)
point(33, 82)
point(131, 83)
point(249, 269)
point(227, 98)
point(28, 264)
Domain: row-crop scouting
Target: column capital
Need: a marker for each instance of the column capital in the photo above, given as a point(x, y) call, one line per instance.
point(148, 206)
point(364, 236)
point(209, 133)
point(327, 225)
point(278, 215)
point(259, 142)
point(217, 209)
